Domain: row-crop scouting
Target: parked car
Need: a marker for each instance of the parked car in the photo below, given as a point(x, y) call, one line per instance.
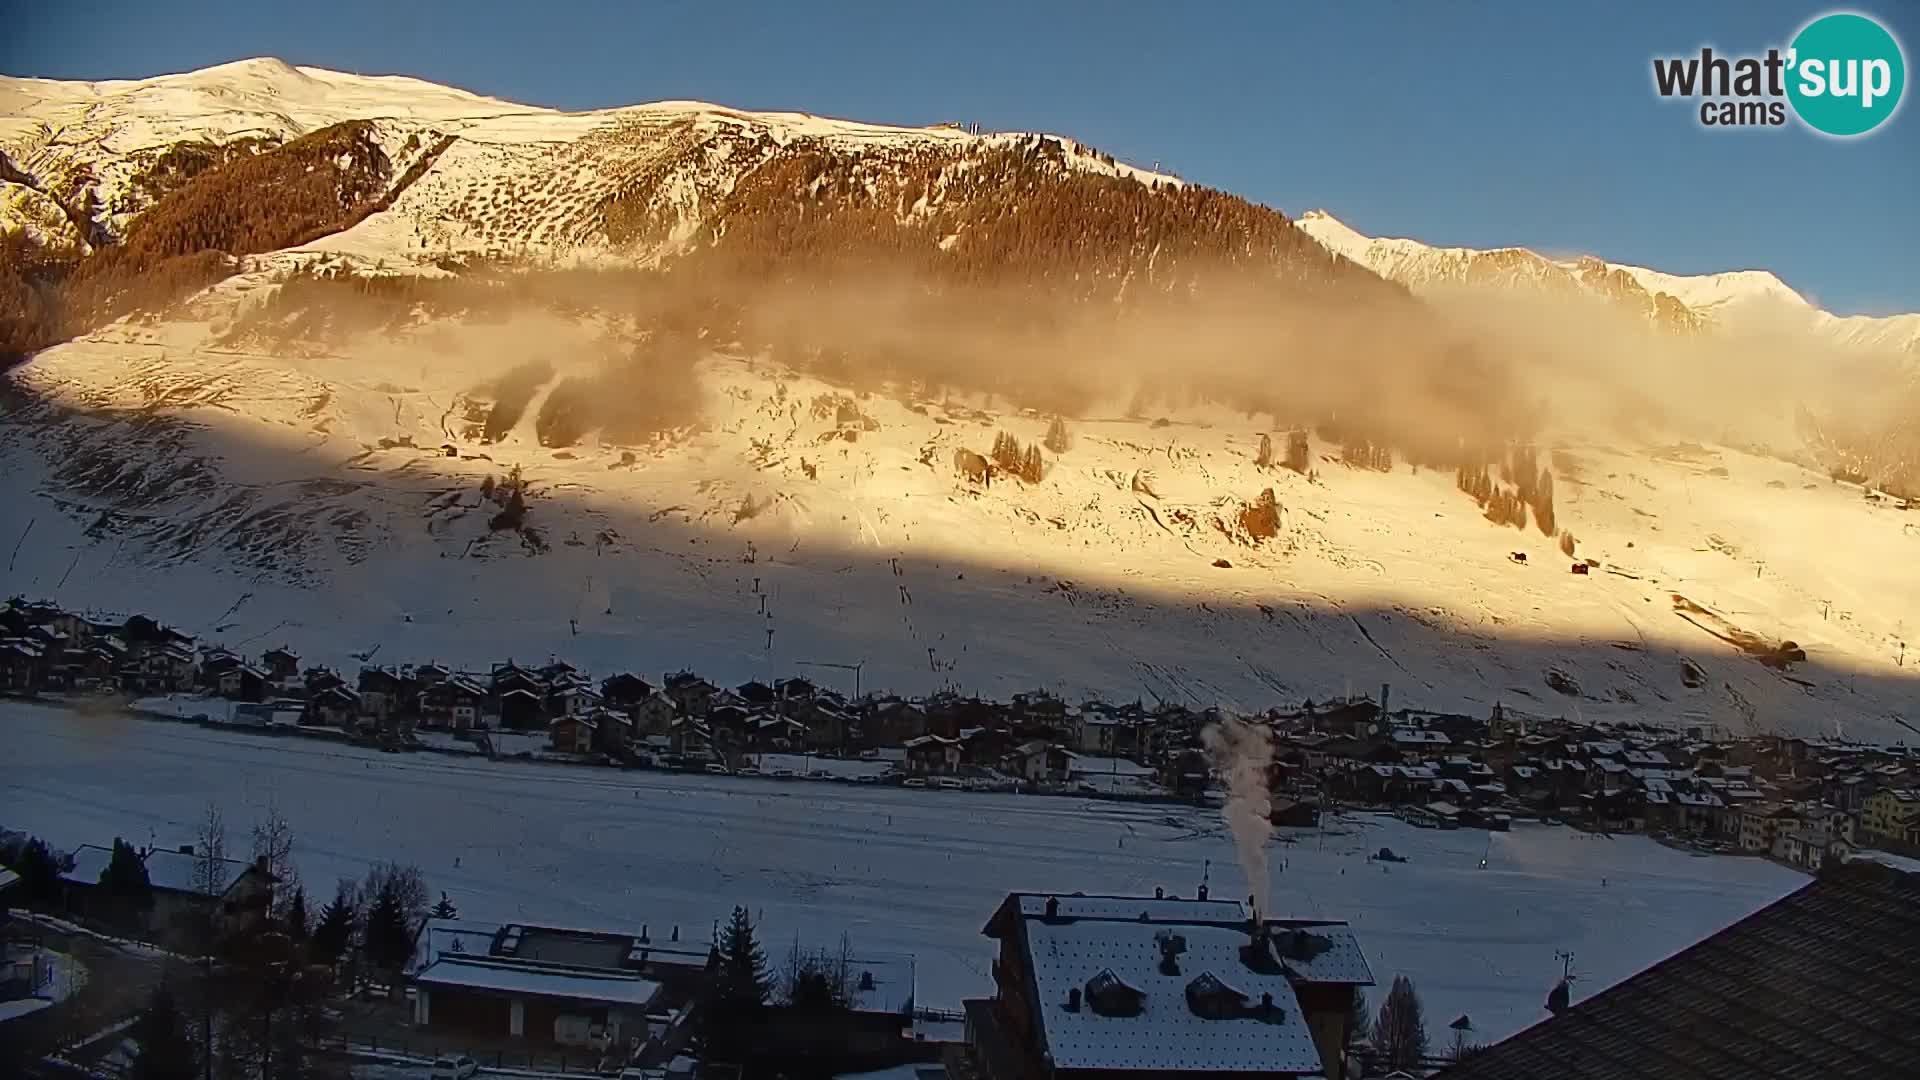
point(749, 769)
point(717, 769)
point(948, 783)
point(866, 778)
point(454, 1068)
point(912, 782)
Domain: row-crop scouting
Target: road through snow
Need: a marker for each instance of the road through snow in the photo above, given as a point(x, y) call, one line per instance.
point(899, 871)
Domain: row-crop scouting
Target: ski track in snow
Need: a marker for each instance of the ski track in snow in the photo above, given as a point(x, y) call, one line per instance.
point(899, 871)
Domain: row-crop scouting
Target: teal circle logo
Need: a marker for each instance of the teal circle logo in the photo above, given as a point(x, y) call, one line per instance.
point(1846, 73)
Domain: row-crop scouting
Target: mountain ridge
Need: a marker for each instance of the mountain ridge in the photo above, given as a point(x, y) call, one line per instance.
point(1677, 303)
point(747, 375)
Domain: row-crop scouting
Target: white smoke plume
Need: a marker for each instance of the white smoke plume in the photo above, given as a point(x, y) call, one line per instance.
point(1242, 751)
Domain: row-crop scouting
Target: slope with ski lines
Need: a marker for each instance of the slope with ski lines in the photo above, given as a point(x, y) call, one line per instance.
point(310, 498)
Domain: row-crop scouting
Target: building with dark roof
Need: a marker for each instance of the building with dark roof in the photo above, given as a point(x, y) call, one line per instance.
point(1823, 982)
point(1093, 986)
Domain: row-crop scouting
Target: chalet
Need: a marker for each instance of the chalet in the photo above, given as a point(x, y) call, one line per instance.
point(1760, 822)
point(827, 725)
point(654, 714)
point(280, 664)
point(242, 682)
point(689, 736)
point(933, 754)
point(380, 692)
point(1038, 761)
point(555, 986)
point(568, 699)
point(984, 747)
point(691, 694)
point(216, 661)
point(336, 706)
point(616, 729)
point(455, 703)
point(557, 671)
point(778, 732)
point(1888, 812)
point(1096, 986)
point(573, 734)
point(757, 694)
point(511, 676)
point(795, 691)
point(430, 674)
point(625, 691)
point(892, 721)
point(522, 709)
point(1757, 997)
point(319, 680)
point(159, 668)
point(182, 892)
point(22, 665)
point(1416, 744)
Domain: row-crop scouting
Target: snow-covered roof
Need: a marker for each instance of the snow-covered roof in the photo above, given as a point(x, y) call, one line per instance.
point(507, 977)
point(438, 936)
point(1420, 736)
point(1166, 1033)
point(166, 868)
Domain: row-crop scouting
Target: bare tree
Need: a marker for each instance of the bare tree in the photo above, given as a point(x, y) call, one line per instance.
point(209, 880)
point(210, 853)
point(1400, 1031)
point(273, 841)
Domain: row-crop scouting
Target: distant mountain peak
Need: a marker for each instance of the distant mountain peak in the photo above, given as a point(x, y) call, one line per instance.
point(1674, 302)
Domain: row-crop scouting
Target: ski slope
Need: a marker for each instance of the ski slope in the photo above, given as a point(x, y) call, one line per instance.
point(896, 870)
point(307, 499)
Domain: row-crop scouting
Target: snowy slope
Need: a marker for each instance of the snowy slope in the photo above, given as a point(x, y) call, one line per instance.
point(898, 871)
point(517, 180)
point(307, 493)
point(310, 498)
point(1753, 300)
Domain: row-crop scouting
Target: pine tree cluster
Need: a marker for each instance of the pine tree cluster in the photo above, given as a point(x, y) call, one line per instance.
point(1009, 456)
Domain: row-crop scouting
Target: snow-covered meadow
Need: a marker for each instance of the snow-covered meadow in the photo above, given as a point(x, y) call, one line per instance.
point(896, 870)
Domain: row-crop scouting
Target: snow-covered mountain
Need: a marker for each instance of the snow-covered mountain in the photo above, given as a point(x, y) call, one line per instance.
point(326, 441)
point(1754, 300)
point(513, 180)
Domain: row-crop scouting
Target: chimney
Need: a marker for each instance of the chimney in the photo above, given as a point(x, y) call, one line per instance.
point(866, 980)
point(1053, 907)
point(1266, 1003)
point(1159, 892)
point(1203, 891)
point(1386, 689)
point(676, 931)
point(260, 864)
point(186, 849)
point(643, 934)
point(1073, 1000)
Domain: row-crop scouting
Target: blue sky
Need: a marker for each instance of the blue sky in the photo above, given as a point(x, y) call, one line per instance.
point(1498, 122)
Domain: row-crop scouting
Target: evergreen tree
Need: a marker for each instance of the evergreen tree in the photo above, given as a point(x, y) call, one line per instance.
point(1359, 1020)
point(39, 869)
point(165, 1051)
point(124, 881)
point(296, 915)
point(1400, 1031)
point(1058, 440)
point(445, 909)
point(744, 982)
point(389, 939)
point(334, 930)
